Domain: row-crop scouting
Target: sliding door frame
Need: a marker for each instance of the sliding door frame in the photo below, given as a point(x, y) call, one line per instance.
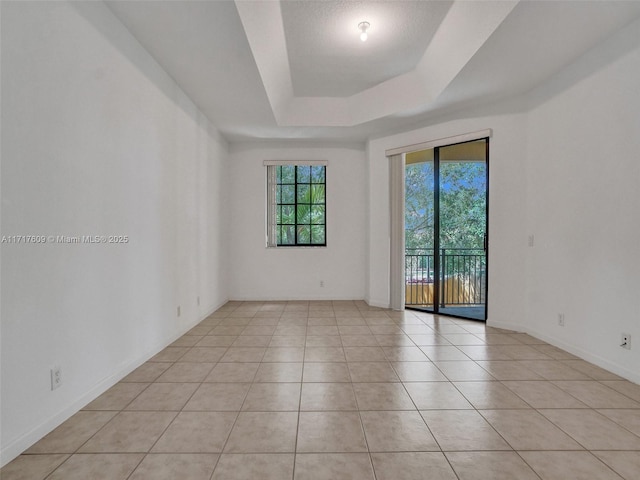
point(397, 258)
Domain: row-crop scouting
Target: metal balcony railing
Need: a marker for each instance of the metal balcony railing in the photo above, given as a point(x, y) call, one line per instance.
point(462, 273)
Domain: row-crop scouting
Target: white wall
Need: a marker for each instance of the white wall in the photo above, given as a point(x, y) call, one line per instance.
point(584, 204)
point(97, 140)
point(507, 201)
point(261, 273)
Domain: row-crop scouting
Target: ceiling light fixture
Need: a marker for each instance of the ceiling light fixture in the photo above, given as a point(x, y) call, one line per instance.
point(363, 26)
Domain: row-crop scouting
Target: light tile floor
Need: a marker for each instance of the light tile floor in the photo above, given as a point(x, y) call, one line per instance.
point(332, 390)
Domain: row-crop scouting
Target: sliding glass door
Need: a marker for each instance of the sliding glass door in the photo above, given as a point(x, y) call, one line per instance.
point(446, 212)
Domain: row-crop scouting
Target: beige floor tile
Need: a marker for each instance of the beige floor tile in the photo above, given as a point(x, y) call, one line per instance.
point(199, 331)
point(564, 465)
point(233, 372)
point(169, 354)
point(490, 466)
point(147, 372)
point(443, 353)
point(171, 466)
point(284, 354)
point(397, 432)
point(322, 330)
point(464, 371)
point(593, 430)
point(204, 354)
point(484, 352)
point(227, 330)
point(327, 397)
point(31, 467)
point(283, 329)
point(527, 339)
point(490, 395)
point(196, 432)
point(330, 432)
point(497, 338)
point(129, 432)
point(287, 341)
point(263, 432)
point(272, 397)
point(543, 394)
point(73, 433)
point(164, 396)
point(320, 321)
point(629, 419)
point(405, 354)
point(412, 466)
point(359, 340)
point(508, 370)
point(553, 370)
point(237, 321)
point(418, 372)
point(217, 341)
point(266, 318)
point(399, 340)
point(263, 466)
point(436, 395)
point(364, 354)
point(419, 329)
point(323, 341)
point(186, 372)
point(529, 430)
point(596, 395)
point(252, 341)
point(383, 326)
point(372, 372)
point(324, 354)
point(626, 464)
point(555, 352)
point(463, 339)
point(460, 430)
point(382, 396)
point(187, 341)
point(330, 466)
point(243, 354)
point(112, 466)
point(592, 370)
point(117, 397)
point(220, 397)
point(260, 330)
point(279, 372)
point(325, 372)
point(631, 390)
point(433, 338)
point(349, 320)
point(362, 329)
point(523, 352)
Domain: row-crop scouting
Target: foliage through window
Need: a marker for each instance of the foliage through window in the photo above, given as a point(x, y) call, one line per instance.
point(300, 205)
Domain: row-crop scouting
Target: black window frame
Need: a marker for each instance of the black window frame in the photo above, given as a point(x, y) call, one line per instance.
point(301, 182)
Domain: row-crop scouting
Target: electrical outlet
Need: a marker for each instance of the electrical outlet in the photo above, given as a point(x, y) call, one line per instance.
point(178, 310)
point(56, 377)
point(561, 319)
point(321, 283)
point(625, 341)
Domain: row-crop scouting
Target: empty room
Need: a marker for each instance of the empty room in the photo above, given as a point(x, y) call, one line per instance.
point(319, 239)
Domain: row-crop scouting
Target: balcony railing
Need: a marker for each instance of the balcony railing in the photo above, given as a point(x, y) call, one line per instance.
point(462, 272)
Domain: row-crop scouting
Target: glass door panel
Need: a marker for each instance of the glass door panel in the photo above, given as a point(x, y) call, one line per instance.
point(446, 229)
point(420, 270)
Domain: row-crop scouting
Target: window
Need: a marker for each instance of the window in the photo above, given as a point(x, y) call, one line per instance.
point(296, 214)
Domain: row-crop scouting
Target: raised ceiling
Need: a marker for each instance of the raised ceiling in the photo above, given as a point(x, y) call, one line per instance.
point(268, 70)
